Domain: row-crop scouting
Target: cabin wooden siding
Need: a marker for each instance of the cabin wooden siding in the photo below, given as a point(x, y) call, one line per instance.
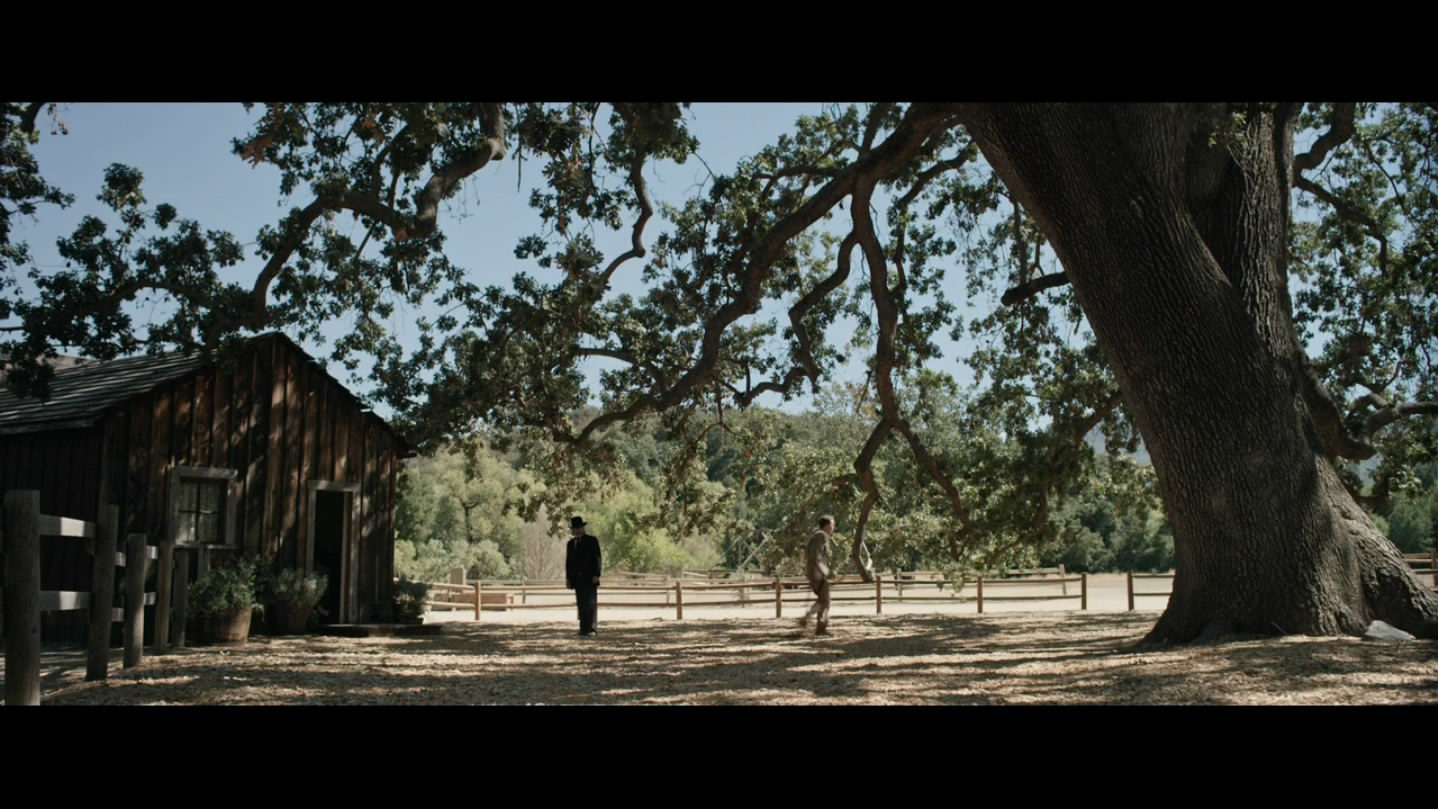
point(274, 416)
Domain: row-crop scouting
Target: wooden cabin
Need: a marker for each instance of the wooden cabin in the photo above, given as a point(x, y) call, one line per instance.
point(260, 453)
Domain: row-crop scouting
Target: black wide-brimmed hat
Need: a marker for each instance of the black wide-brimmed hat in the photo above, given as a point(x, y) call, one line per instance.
point(576, 522)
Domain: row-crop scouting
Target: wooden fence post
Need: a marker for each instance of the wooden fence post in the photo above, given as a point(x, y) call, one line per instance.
point(899, 585)
point(1063, 579)
point(778, 597)
point(162, 597)
point(181, 596)
point(1433, 555)
point(981, 592)
point(22, 597)
point(1130, 591)
point(679, 599)
point(102, 593)
point(1083, 591)
point(879, 594)
point(478, 606)
point(135, 552)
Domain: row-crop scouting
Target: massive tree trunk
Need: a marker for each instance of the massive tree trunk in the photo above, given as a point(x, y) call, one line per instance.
point(1172, 230)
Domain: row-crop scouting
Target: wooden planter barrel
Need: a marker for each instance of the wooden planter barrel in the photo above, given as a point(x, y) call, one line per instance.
point(229, 626)
point(288, 619)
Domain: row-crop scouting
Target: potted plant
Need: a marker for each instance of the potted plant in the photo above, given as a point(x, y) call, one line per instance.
point(222, 600)
point(292, 596)
point(409, 600)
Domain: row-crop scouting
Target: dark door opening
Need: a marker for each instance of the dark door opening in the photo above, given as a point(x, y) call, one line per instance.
point(329, 549)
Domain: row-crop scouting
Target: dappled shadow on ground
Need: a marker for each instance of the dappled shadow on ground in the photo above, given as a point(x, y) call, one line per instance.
point(1016, 658)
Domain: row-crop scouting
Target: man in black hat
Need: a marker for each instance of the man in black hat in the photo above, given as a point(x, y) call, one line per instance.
point(581, 573)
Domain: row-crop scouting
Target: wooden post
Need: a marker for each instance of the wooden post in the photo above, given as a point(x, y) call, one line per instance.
point(22, 597)
point(679, 599)
point(477, 600)
point(899, 585)
point(1130, 591)
point(1063, 579)
point(134, 599)
point(1083, 591)
point(162, 597)
point(1433, 555)
point(778, 597)
point(102, 593)
point(981, 592)
point(879, 594)
point(182, 596)
point(523, 592)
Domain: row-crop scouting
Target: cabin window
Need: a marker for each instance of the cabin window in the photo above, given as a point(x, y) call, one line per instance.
point(201, 503)
point(201, 512)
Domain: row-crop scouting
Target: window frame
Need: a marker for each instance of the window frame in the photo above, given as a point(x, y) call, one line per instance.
point(179, 475)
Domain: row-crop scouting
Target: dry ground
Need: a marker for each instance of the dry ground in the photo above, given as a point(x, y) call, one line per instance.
point(1047, 658)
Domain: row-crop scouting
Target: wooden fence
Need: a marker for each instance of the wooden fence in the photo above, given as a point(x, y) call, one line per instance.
point(1132, 593)
point(24, 601)
point(921, 587)
point(1424, 564)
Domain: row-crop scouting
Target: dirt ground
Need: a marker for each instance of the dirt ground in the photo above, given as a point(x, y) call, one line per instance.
point(1008, 658)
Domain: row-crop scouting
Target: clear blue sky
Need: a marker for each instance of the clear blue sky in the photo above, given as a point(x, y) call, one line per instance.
point(185, 154)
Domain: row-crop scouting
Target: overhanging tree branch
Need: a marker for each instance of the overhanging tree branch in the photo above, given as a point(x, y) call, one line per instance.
point(871, 127)
point(920, 120)
point(28, 116)
point(1350, 213)
point(1033, 287)
point(641, 194)
point(1328, 420)
point(1340, 129)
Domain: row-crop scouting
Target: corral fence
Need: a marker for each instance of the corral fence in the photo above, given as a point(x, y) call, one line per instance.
point(1423, 564)
point(1132, 593)
point(24, 601)
point(725, 589)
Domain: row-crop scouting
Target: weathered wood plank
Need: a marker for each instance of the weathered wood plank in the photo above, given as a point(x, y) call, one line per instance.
point(182, 596)
point(358, 553)
point(136, 506)
point(157, 495)
point(240, 443)
point(53, 526)
point(313, 381)
point(202, 434)
point(97, 660)
point(341, 437)
point(182, 435)
point(22, 597)
point(274, 451)
point(386, 554)
point(134, 601)
point(151, 552)
point(114, 462)
point(293, 446)
point(325, 434)
point(220, 418)
point(163, 582)
point(369, 547)
point(261, 385)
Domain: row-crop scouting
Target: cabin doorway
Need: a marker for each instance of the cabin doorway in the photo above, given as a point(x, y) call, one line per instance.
point(332, 507)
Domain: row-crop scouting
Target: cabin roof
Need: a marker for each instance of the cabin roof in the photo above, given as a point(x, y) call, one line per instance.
point(83, 390)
